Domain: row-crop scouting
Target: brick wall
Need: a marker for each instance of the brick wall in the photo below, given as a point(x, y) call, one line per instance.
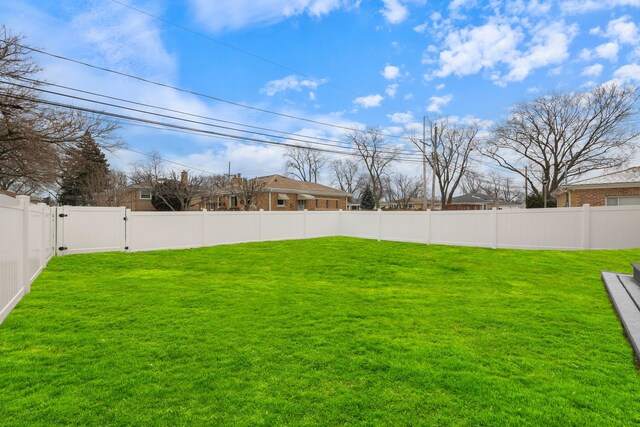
point(334, 203)
point(597, 196)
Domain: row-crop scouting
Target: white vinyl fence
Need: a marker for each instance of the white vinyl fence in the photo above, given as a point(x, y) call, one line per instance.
point(30, 234)
point(27, 239)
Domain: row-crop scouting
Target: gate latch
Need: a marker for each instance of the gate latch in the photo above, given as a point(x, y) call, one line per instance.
point(63, 215)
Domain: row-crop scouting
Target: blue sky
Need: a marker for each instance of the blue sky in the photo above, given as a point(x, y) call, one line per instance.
point(346, 62)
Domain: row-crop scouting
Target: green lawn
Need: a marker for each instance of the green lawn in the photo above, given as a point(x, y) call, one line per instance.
point(333, 331)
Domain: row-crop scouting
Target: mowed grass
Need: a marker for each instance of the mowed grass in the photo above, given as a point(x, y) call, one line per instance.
point(333, 331)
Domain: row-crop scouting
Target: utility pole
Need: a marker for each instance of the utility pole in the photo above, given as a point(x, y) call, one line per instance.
point(544, 191)
point(434, 159)
point(424, 163)
point(526, 187)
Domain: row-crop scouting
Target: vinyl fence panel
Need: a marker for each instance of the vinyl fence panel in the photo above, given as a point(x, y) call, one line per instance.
point(614, 227)
point(559, 228)
point(26, 245)
point(463, 228)
point(283, 225)
point(364, 224)
point(322, 224)
point(164, 230)
point(12, 286)
point(90, 229)
point(404, 226)
point(231, 227)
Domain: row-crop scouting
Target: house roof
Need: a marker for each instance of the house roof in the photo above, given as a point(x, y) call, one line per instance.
point(282, 184)
point(626, 178)
point(279, 182)
point(477, 199)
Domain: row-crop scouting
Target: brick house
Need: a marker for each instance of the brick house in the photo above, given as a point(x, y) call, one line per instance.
point(479, 202)
point(279, 193)
point(613, 189)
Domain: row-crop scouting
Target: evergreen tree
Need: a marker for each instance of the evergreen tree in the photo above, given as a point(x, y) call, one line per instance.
point(537, 201)
point(367, 201)
point(166, 198)
point(86, 174)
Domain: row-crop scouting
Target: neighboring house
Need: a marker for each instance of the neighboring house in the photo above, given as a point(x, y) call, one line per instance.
point(279, 193)
point(137, 197)
point(479, 202)
point(413, 204)
point(613, 189)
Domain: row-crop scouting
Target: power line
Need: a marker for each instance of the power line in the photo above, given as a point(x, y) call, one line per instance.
point(219, 135)
point(294, 136)
point(199, 94)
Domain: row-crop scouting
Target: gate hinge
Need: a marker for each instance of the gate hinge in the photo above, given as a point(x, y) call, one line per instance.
point(62, 248)
point(63, 215)
point(125, 219)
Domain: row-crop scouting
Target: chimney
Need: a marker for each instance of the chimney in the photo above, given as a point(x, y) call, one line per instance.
point(184, 178)
point(236, 180)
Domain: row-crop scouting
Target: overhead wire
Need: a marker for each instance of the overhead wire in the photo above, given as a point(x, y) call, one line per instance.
point(202, 95)
point(219, 135)
point(293, 136)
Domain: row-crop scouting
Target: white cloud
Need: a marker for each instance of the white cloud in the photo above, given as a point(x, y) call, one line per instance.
point(607, 51)
point(312, 96)
point(456, 5)
point(549, 45)
point(584, 6)
point(436, 102)
point(291, 82)
point(226, 15)
point(421, 28)
point(391, 90)
point(626, 74)
point(623, 30)
point(369, 101)
point(470, 49)
point(593, 70)
point(391, 72)
point(408, 96)
point(402, 118)
point(440, 86)
point(495, 45)
point(122, 40)
point(394, 11)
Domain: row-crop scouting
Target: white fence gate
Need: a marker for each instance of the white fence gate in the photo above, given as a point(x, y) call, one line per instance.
point(90, 229)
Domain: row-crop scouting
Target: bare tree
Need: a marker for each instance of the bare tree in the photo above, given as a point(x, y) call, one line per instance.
point(452, 159)
point(347, 175)
point(563, 135)
point(170, 190)
point(377, 156)
point(472, 182)
point(304, 163)
point(494, 184)
point(34, 138)
point(247, 190)
point(401, 188)
point(502, 187)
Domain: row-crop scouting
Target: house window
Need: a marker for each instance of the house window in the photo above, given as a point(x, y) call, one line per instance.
point(145, 194)
point(316, 203)
point(326, 204)
point(233, 201)
point(623, 201)
point(282, 203)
